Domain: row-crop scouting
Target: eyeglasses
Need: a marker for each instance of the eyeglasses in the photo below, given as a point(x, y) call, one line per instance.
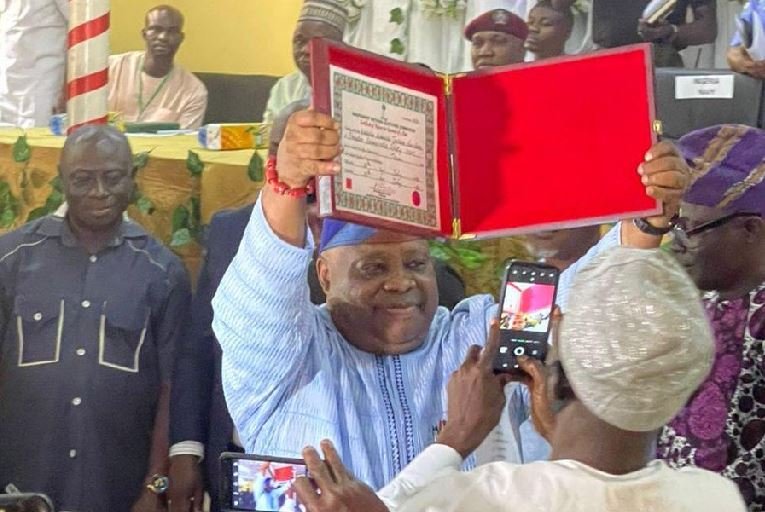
point(681, 230)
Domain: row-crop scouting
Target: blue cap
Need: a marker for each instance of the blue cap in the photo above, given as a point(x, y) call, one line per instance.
point(338, 233)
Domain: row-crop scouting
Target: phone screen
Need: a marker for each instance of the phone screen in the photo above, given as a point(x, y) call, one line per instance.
point(265, 486)
point(528, 299)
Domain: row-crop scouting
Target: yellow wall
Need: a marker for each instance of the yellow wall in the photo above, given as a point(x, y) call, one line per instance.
point(223, 36)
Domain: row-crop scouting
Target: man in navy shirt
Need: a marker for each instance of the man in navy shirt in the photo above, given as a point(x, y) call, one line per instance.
point(91, 308)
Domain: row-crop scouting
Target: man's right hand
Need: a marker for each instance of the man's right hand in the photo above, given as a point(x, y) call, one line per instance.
point(535, 379)
point(476, 398)
point(311, 143)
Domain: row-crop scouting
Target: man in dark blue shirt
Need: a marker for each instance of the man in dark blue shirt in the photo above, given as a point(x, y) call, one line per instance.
point(91, 308)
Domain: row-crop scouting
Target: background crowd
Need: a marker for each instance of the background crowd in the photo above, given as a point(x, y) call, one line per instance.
point(120, 388)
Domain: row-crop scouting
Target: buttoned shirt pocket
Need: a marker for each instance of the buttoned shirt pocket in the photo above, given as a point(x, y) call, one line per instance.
point(121, 336)
point(39, 327)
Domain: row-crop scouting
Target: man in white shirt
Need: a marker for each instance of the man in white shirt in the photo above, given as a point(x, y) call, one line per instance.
point(634, 345)
point(318, 18)
point(32, 60)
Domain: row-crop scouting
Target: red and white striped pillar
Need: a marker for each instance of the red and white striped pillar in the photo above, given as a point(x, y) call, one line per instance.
point(88, 62)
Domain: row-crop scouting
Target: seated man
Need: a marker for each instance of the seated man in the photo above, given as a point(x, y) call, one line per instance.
point(613, 386)
point(91, 308)
point(318, 18)
point(368, 369)
point(747, 50)
point(675, 33)
point(200, 425)
point(496, 37)
point(549, 29)
point(148, 86)
point(720, 240)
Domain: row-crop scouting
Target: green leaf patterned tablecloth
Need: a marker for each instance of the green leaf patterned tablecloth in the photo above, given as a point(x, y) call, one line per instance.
point(179, 185)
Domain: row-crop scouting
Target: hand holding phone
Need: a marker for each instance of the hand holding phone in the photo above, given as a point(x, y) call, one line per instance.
point(476, 398)
point(525, 313)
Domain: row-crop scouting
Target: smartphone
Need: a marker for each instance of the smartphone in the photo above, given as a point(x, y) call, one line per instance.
point(260, 483)
point(527, 300)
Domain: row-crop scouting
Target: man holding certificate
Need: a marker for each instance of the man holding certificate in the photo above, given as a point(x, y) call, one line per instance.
point(369, 369)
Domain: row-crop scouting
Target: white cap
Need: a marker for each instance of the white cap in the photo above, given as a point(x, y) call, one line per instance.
point(635, 342)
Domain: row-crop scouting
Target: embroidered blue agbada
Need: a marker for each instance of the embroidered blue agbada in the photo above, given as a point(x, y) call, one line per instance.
point(291, 379)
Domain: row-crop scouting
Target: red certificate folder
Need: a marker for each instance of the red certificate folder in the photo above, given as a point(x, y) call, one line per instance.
point(529, 147)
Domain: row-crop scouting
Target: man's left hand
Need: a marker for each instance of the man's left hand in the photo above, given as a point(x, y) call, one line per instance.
point(186, 492)
point(666, 177)
point(149, 502)
point(335, 489)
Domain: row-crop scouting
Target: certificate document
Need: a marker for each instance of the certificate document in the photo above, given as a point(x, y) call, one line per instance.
point(494, 152)
point(389, 149)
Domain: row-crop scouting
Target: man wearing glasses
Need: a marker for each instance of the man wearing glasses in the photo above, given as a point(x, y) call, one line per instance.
point(720, 239)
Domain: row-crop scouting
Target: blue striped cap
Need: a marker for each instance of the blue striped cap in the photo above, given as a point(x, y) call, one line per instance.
point(338, 233)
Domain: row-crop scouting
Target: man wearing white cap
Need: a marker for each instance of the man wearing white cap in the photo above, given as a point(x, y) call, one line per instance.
point(318, 18)
point(634, 345)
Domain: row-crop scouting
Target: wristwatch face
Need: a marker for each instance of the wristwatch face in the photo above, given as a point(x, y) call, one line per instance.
point(159, 484)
